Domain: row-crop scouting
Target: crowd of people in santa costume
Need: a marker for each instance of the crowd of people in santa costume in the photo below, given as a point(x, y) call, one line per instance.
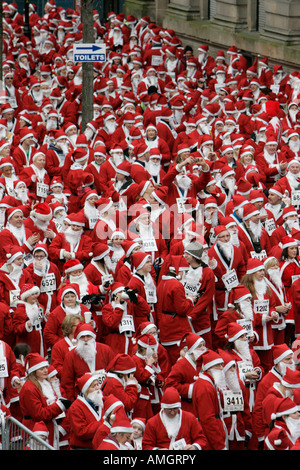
point(150, 272)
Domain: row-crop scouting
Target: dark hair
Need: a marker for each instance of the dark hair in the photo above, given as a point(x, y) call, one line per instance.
point(21, 349)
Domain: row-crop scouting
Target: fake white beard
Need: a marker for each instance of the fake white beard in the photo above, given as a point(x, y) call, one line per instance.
point(205, 257)
point(292, 179)
point(246, 309)
point(234, 238)
point(184, 182)
point(190, 71)
point(178, 116)
point(72, 310)
point(90, 211)
point(172, 425)
point(220, 78)
point(72, 138)
point(294, 145)
point(38, 96)
point(229, 183)
point(48, 391)
point(293, 113)
point(171, 64)
point(269, 158)
point(22, 195)
point(293, 425)
point(201, 58)
point(205, 128)
point(45, 265)
point(96, 398)
point(283, 366)
point(219, 377)
point(153, 168)
point(255, 229)
point(118, 159)
point(88, 133)
point(242, 348)
point(63, 147)
point(146, 231)
point(72, 236)
point(117, 38)
point(260, 287)
point(110, 127)
point(33, 312)
point(153, 81)
point(16, 273)
point(86, 349)
point(232, 380)
point(41, 224)
point(18, 232)
point(212, 218)
point(275, 277)
point(82, 282)
point(227, 248)
point(290, 224)
point(77, 81)
point(55, 383)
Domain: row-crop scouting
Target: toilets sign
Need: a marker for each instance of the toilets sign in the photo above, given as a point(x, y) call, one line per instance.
point(89, 53)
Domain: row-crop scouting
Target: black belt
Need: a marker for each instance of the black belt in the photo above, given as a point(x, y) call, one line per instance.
point(169, 313)
point(27, 417)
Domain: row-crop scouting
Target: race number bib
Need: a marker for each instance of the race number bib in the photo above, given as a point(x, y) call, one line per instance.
point(42, 190)
point(14, 297)
point(230, 279)
point(100, 375)
point(247, 325)
point(262, 255)
point(270, 226)
point(180, 201)
point(156, 60)
point(261, 306)
point(149, 245)
point(233, 401)
point(48, 283)
point(191, 288)
point(150, 294)
point(245, 366)
point(295, 199)
point(275, 89)
point(3, 367)
point(126, 324)
point(178, 445)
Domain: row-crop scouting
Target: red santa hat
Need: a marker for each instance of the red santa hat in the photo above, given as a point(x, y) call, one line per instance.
point(280, 351)
point(41, 247)
point(139, 259)
point(76, 219)
point(291, 378)
point(110, 404)
point(13, 252)
point(41, 211)
point(238, 294)
point(25, 133)
point(146, 340)
point(122, 364)
point(27, 290)
point(160, 194)
point(284, 406)
point(277, 440)
point(249, 211)
point(74, 288)
point(170, 399)
point(288, 210)
point(227, 171)
point(210, 359)
point(121, 423)
point(178, 263)
point(129, 246)
point(85, 381)
point(34, 361)
point(84, 329)
point(139, 421)
point(72, 265)
point(219, 229)
point(210, 201)
point(103, 204)
point(124, 168)
point(234, 331)
point(254, 265)
point(100, 250)
point(191, 341)
point(287, 242)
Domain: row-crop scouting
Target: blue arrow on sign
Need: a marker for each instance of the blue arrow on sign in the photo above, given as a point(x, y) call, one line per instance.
point(92, 48)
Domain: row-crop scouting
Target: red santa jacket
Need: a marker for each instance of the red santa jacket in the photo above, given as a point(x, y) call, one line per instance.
point(74, 367)
point(156, 436)
point(33, 336)
point(84, 422)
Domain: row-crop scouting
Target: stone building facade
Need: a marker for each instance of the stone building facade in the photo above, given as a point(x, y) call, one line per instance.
point(257, 27)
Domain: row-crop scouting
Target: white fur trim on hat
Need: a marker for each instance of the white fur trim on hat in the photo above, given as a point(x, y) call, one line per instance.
point(33, 290)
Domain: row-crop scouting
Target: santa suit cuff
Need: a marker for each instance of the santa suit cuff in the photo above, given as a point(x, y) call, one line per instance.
point(198, 447)
point(13, 380)
point(190, 391)
point(149, 369)
point(28, 246)
point(61, 253)
point(130, 382)
point(28, 328)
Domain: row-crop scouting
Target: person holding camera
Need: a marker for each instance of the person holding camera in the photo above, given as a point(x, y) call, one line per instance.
point(119, 317)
